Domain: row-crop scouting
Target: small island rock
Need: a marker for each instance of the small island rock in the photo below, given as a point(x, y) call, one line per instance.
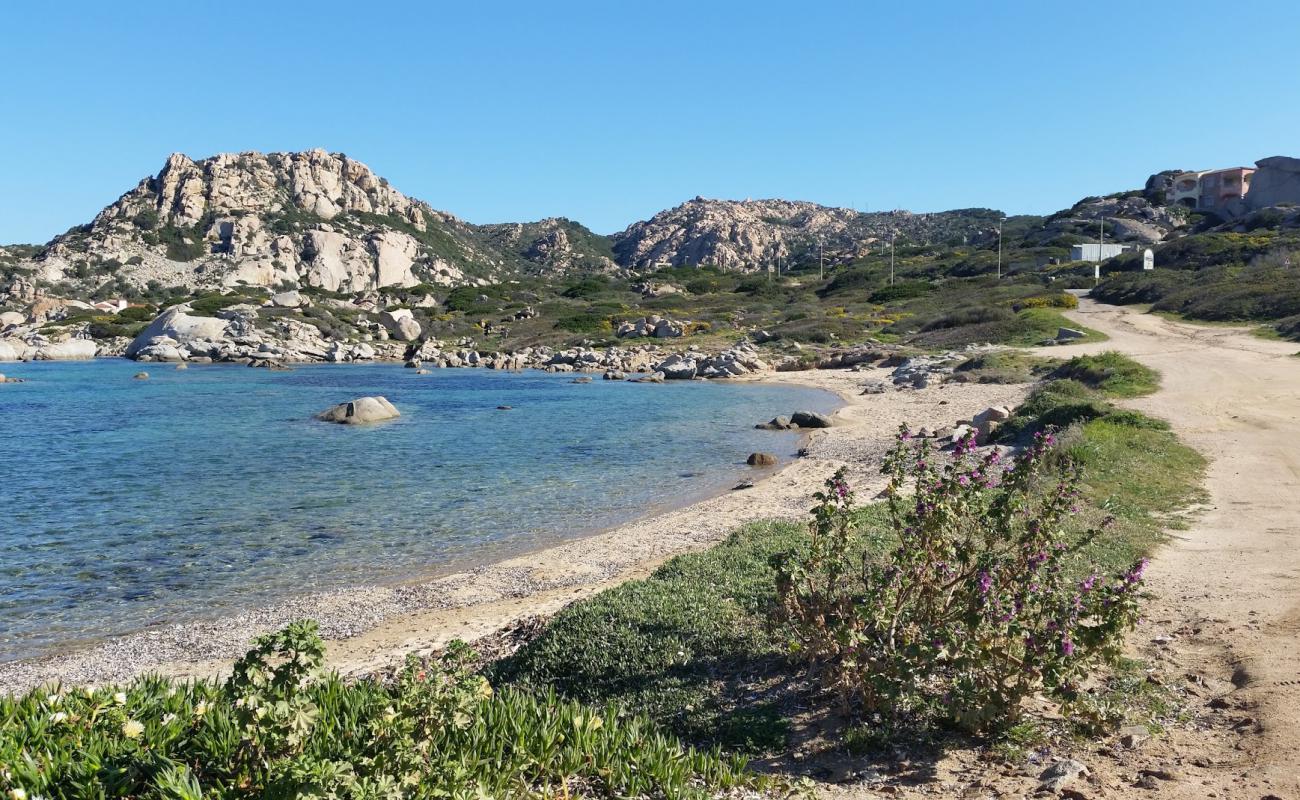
point(360, 411)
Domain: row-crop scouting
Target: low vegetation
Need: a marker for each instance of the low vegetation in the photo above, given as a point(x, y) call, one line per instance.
point(281, 727)
point(703, 646)
point(1218, 277)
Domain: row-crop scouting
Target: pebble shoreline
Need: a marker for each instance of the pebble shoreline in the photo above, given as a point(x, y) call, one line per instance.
point(864, 430)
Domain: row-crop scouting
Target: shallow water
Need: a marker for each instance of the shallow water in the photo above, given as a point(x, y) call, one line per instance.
point(129, 504)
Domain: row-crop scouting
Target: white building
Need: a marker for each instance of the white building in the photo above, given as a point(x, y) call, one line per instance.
point(1091, 252)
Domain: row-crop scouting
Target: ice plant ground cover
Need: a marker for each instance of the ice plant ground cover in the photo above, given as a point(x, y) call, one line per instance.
point(281, 727)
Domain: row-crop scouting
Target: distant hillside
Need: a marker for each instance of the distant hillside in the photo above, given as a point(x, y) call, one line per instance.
point(551, 246)
point(312, 219)
point(748, 235)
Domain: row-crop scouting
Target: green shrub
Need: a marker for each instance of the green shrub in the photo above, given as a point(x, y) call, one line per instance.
point(1057, 300)
point(969, 315)
point(585, 322)
point(903, 290)
point(209, 304)
point(587, 288)
point(144, 313)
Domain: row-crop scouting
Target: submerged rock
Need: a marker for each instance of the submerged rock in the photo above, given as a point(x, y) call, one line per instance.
point(360, 411)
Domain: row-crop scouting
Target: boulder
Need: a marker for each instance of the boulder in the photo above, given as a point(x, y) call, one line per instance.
point(360, 411)
point(810, 419)
point(291, 299)
point(667, 329)
point(678, 368)
point(179, 326)
point(69, 350)
point(581, 379)
point(992, 414)
point(1276, 181)
point(141, 376)
point(654, 377)
point(776, 424)
point(1065, 334)
point(1054, 778)
point(761, 460)
point(8, 352)
point(9, 319)
point(401, 324)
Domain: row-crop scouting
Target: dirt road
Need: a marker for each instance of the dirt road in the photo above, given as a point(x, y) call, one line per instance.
point(1228, 609)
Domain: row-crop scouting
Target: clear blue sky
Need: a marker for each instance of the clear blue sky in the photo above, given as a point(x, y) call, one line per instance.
point(608, 112)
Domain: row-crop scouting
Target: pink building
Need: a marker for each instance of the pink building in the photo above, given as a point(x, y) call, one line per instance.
point(1213, 188)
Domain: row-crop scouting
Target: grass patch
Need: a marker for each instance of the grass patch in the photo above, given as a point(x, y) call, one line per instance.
point(1111, 373)
point(682, 646)
point(1003, 366)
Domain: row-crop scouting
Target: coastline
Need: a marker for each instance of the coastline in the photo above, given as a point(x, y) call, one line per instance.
point(371, 628)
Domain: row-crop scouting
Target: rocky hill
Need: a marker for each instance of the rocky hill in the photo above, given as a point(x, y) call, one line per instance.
point(551, 246)
point(748, 235)
point(313, 218)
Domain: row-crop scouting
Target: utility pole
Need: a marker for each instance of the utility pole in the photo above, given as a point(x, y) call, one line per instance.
point(821, 260)
point(1004, 219)
point(891, 258)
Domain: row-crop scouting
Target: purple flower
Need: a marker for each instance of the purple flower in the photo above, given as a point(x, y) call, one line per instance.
point(1067, 646)
point(986, 582)
point(1135, 575)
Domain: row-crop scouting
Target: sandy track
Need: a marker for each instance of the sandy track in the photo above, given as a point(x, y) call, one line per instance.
point(1227, 614)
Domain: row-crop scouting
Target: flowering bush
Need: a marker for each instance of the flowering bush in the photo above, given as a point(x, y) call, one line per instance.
point(976, 596)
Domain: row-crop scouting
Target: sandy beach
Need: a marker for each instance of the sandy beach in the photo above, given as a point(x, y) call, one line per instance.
point(371, 628)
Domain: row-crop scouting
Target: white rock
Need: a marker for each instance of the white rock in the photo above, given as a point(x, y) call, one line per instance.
point(360, 411)
point(181, 327)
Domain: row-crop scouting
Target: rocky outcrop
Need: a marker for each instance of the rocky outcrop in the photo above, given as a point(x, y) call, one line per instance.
point(653, 325)
point(363, 410)
point(163, 339)
point(1128, 218)
point(1276, 181)
point(311, 218)
point(749, 235)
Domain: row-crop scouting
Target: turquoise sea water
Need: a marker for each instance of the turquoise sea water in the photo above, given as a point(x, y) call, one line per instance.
point(129, 504)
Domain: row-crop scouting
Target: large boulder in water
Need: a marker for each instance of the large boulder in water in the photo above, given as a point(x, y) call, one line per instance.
point(360, 411)
point(178, 326)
